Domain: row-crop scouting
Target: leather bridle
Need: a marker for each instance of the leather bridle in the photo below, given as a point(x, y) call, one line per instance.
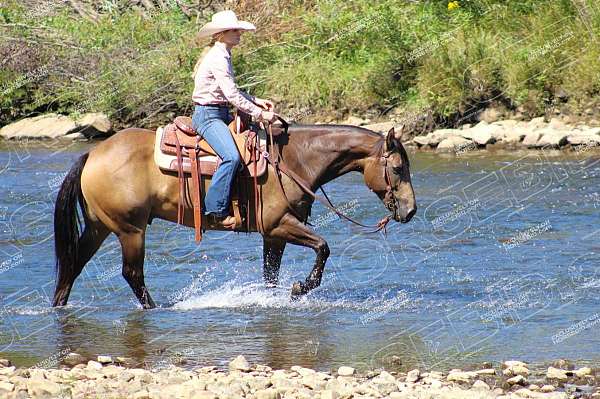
point(389, 199)
point(279, 167)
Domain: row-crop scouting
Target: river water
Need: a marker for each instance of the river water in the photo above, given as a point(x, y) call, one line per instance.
point(501, 262)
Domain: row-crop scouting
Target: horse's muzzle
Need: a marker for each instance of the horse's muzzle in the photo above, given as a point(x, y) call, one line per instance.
point(407, 215)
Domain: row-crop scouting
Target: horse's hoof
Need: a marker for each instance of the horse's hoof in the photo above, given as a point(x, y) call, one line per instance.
point(298, 289)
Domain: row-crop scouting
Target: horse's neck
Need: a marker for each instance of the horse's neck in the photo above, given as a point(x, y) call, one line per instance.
point(321, 153)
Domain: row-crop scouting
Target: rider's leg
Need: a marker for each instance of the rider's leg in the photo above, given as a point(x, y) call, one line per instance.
point(210, 123)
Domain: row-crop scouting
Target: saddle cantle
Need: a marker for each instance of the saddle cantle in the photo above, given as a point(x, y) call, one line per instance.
point(179, 149)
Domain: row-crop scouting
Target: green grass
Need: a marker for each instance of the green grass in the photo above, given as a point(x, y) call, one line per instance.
point(330, 56)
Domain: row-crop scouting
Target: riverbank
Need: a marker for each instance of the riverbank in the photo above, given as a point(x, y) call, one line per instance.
point(106, 377)
point(448, 61)
point(537, 133)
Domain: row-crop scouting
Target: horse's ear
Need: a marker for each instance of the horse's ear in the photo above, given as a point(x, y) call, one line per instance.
point(390, 140)
point(399, 134)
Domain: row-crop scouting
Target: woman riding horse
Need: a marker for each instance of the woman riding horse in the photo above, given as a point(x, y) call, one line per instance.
point(214, 91)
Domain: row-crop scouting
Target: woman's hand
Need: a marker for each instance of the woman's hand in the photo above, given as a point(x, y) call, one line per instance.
point(266, 104)
point(269, 116)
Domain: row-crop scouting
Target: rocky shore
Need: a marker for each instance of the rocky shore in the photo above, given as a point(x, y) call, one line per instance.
point(106, 377)
point(537, 133)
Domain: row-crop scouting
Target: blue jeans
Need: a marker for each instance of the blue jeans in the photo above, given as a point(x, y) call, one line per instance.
point(211, 122)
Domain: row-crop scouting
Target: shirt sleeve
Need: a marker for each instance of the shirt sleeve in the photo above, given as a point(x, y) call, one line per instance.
point(221, 71)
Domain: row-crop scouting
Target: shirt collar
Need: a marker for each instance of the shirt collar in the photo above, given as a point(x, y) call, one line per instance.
point(223, 47)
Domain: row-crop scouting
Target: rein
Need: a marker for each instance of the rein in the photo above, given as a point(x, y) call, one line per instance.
point(282, 168)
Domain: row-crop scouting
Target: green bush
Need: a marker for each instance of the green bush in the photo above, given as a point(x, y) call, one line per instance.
point(327, 56)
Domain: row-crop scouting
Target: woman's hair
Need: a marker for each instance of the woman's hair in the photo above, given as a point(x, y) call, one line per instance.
point(214, 38)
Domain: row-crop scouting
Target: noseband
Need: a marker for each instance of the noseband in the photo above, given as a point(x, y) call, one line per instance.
point(389, 200)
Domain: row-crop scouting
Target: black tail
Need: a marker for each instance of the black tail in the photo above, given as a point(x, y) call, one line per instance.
point(67, 226)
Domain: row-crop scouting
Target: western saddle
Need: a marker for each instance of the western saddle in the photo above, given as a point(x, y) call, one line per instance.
point(179, 149)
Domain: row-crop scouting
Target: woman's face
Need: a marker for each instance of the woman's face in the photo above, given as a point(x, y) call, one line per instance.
point(231, 36)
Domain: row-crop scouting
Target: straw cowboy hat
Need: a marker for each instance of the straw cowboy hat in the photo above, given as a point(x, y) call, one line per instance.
point(224, 20)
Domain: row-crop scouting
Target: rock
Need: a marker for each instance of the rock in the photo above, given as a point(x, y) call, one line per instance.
point(524, 393)
point(413, 375)
point(103, 359)
point(583, 371)
point(533, 387)
point(594, 131)
point(453, 143)
point(94, 124)
point(6, 386)
point(384, 378)
point(303, 371)
point(383, 127)
point(490, 115)
point(329, 394)
point(436, 384)
point(583, 138)
point(5, 363)
point(552, 138)
point(562, 364)
point(73, 359)
point(144, 394)
point(345, 371)
point(126, 361)
point(481, 385)
point(461, 376)
point(517, 380)
point(512, 363)
point(537, 122)
point(556, 374)
point(531, 139)
point(312, 382)
point(92, 365)
point(43, 126)
point(7, 370)
point(421, 140)
point(240, 364)
point(73, 136)
point(355, 121)
point(54, 126)
point(513, 137)
point(269, 393)
point(556, 123)
point(486, 372)
point(438, 135)
point(483, 137)
point(43, 388)
point(547, 388)
point(516, 369)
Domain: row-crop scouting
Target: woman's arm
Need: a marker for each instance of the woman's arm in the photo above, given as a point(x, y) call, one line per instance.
point(221, 71)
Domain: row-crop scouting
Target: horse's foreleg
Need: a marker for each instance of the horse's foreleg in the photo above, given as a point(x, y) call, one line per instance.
point(272, 253)
point(293, 231)
point(132, 245)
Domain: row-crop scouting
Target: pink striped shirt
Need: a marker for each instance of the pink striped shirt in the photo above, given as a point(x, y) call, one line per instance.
point(214, 82)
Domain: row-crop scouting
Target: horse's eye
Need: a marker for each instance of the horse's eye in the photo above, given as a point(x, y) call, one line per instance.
point(397, 170)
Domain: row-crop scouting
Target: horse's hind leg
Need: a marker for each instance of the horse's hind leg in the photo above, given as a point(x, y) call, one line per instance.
point(92, 237)
point(293, 231)
point(272, 252)
point(133, 248)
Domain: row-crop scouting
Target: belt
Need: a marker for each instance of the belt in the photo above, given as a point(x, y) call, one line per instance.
point(213, 104)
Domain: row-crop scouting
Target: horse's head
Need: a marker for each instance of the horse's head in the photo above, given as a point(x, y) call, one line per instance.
point(388, 175)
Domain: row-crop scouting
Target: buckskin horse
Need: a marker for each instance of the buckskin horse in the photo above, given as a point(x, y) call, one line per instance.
point(120, 189)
